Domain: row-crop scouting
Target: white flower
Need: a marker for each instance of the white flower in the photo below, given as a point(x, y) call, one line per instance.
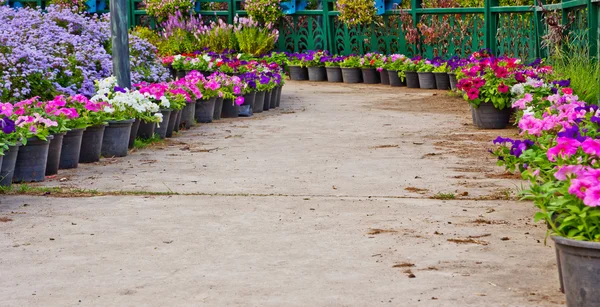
point(517, 89)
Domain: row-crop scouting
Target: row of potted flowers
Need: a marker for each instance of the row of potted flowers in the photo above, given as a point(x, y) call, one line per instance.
point(558, 153)
point(374, 68)
point(40, 137)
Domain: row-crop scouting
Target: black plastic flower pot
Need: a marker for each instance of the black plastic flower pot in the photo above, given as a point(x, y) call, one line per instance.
point(146, 130)
point(54, 150)
point(91, 144)
point(218, 108)
point(351, 75)
point(187, 115)
point(442, 81)
point(178, 121)
point(9, 161)
point(134, 131)
point(384, 77)
point(171, 123)
point(230, 109)
point(267, 103)
point(412, 79)
point(334, 74)
point(298, 73)
point(488, 117)
point(426, 80)
point(248, 105)
point(453, 81)
point(279, 90)
point(180, 74)
point(273, 102)
point(161, 128)
point(317, 74)
point(259, 102)
point(395, 79)
point(71, 148)
point(31, 160)
point(578, 267)
point(205, 110)
point(370, 76)
point(115, 142)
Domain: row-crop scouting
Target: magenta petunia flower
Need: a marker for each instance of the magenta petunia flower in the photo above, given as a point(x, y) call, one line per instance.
point(565, 148)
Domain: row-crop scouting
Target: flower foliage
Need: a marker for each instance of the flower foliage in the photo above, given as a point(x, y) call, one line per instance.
point(355, 12)
point(46, 54)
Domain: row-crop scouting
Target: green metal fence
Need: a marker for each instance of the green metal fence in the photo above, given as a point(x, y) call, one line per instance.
point(506, 30)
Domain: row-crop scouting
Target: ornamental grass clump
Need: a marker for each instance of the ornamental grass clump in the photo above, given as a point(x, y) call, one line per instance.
point(252, 38)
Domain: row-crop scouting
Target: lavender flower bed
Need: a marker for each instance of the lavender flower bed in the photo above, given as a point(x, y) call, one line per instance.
point(44, 54)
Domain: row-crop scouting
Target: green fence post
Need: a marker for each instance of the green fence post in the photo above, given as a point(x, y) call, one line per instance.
point(490, 21)
point(416, 5)
point(326, 25)
point(538, 28)
point(592, 18)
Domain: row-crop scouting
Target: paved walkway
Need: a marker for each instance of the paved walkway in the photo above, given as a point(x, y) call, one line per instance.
point(347, 196)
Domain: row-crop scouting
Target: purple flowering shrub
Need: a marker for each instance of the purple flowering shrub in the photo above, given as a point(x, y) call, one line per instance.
point(61, 52)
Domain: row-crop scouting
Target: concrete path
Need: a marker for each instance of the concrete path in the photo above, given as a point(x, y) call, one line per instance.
point(347, 196)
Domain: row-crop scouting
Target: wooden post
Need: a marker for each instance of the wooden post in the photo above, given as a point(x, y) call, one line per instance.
point(119, 24)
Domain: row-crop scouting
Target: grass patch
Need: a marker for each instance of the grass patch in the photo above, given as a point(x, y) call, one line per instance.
point(140, 143)
point(574, 63)
point(444, 196)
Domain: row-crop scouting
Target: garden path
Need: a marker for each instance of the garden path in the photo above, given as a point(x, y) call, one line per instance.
point(347, 196)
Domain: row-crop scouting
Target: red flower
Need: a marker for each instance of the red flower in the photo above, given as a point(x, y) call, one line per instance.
point(372, 62)
point(567, 90)
point(503, 88)
point(501, 72)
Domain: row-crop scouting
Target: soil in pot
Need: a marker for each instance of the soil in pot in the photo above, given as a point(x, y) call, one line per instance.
point(161, 128)
point(115, 142)
point(91, 144)
point(384, 77)
point(267, 103)
point(218, 108)
point(395, 79)
point(54, 151)
point(187, 115)
point(9, 161)
point(230, 109)
point(298, 73)
point(442, 81)
point(248, 105)
point(426, 80)
point(370, 76)
point(334, 74)
point(259, 102)
point(146, 130)
point(31, 161)
point(205, 110)
point(71, 147)
point(171, 123)
point(579, 271)
point(488, 117)
point(134, 131)
point(317, 74)
point(412, 79)
point(453, 81)
point(351, 75)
